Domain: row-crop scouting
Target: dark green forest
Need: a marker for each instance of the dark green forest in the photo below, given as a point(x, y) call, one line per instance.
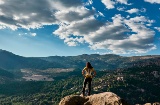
point(139, 85)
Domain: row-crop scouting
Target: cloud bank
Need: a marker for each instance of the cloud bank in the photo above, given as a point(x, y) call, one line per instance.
point(153, 1)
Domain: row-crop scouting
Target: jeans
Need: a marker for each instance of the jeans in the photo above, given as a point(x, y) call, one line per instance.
point(87, 80)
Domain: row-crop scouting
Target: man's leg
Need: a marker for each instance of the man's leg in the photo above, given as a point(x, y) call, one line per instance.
point(84, 86)
point(89, 86)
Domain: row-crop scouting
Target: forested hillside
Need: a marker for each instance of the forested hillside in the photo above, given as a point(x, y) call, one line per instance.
point(45, 80)
point(135, 85)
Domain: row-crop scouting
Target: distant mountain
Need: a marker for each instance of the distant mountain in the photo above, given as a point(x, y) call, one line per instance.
point(10, 61)
point(98, 61)
point(102, 62)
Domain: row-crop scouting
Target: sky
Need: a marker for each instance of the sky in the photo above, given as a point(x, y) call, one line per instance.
point(39, 28)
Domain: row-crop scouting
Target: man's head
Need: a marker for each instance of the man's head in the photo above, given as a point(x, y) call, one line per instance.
point(88, 65)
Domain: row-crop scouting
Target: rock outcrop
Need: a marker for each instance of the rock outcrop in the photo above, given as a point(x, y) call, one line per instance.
point(156, 103)
point(106, 98)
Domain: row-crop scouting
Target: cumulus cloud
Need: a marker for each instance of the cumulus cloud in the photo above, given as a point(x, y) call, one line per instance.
point(138, 40)
point(153, 1)
point(65, 4)
point(100, 14)
point(133, 10)
point(110, 4)
point(1, 2)
point(79, 28)
point(73, 14)
point(107, 32)
point(71, 43)
point(122, 35)
point(89, 2)
point(121, 8)
point(122, 1)
point(157, 28)
point(26, 14)
point(32, 14)
point(69, 15)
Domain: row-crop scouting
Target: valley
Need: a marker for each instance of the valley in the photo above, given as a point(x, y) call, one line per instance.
point(45, 80)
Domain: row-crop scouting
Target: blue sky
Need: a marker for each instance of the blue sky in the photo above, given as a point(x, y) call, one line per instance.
point(34, 28)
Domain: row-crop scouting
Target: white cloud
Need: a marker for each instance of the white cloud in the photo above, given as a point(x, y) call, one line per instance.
point(123, 1)
point(82, 27)
point(134, 10)
point(33, 34)
point(157, 28)
point(2, 27)
point(35, 15)
point(111, 31)
point(1, 2)
point(78, 28)
point(121, 8)
point(64, 4)
point(153, 1)
point(128, 16)
point(30, 15)
point(1, 13)
point(108, 3)
point(101, 14)
point(73, 14)
point(72, 43)
point(122, 35)
point(90, 1)
point(140, 40)
point(28, 34)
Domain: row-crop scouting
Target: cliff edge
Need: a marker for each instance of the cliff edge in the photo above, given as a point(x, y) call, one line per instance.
point(106, 98)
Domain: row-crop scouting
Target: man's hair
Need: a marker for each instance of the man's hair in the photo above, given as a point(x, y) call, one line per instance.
point(88, 65)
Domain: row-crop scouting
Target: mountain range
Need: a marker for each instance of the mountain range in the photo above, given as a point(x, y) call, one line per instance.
point(14, 67)
point(10, 61)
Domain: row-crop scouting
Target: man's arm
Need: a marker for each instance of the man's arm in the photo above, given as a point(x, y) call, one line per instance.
point(83, 72)
point(94, 73)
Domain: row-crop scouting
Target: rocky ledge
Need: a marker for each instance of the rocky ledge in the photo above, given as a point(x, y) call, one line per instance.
point(106, 98)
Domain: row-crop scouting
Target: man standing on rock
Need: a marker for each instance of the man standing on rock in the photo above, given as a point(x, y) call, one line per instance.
point(88, 72)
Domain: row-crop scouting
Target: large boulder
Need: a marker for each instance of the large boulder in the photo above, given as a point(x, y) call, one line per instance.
point(73, 100)
point(106, 98)
point(156, 103)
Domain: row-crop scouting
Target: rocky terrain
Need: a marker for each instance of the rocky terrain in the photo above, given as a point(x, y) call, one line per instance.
point(106, 98)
